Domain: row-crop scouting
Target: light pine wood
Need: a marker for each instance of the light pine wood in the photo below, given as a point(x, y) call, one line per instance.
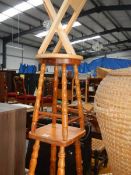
point(70, 24)
point(34, 157)
point(53, 28)
point(55, 134)
point(51, 135)
point(75, 4)
point(78, 158)
point(78, 93)
point(62, 34)
point(53, 160)
point(57, 56)
point(72, 89)
point(38, 98)
point(61, 162)
point(55, 94)
point(64, 104)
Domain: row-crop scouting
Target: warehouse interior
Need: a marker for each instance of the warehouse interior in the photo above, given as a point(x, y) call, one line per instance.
point(101, 35)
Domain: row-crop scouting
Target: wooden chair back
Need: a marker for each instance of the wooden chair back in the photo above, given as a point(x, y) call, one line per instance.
point(19, 85)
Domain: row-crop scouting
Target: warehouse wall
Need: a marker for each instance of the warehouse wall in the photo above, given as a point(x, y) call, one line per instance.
point(27, 56)
point(16, 56)
point(0, 51)
point(122, 55)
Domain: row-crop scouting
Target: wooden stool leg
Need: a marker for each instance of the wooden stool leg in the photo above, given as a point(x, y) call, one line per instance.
point(79, 167)
point(38, 98)
point(78, 93)
point(61, 162)
point(55, 94)
point(54, 110)
point(33, 161)
point(64, 104)
point(53, 160)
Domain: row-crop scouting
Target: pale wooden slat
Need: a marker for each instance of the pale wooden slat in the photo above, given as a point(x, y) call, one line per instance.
point(62, 34)
point(53, 28)
point(57, 55)
point(70, 24)
point(75, 4)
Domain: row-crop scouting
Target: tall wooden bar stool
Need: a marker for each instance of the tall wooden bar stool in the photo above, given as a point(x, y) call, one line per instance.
point(60, 135)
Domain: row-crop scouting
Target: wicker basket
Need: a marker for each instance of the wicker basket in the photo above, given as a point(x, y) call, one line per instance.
point(113, 108)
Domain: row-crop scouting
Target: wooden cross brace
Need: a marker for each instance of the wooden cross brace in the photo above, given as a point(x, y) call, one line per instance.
point(56, 26)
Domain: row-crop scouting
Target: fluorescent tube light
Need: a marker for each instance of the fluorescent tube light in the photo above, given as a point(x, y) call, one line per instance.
point(76, 24)
point(41, 34)
point(86, 39)
point(19, 8)
point(15, 47)
point(35, 2)
point(23, 6)
point(44, 33)
point(89, 51)
point(11, 12)
point(3, 17)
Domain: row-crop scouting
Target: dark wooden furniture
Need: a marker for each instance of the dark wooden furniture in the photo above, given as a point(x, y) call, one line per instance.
point(23, 97)
point(92, 84)
point(99, 153)
point(12, 135)
point(69, 88)
point(6, 85)
point(3, 87)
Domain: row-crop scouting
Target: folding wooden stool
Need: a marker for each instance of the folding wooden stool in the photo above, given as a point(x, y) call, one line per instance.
point(55, 134)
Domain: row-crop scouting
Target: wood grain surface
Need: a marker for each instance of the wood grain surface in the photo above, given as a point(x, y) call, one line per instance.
point(12, 134)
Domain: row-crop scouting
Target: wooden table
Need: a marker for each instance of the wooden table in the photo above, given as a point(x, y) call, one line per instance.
point(12, 135)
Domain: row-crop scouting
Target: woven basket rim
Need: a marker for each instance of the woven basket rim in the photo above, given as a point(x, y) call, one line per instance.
point(121, 72)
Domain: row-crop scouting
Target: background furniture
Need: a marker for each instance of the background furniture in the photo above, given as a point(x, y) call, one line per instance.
point(6, 85)
point(83, 87)
point(92, 84)
point(69, 88)
point(21, 95)
point(12, 135)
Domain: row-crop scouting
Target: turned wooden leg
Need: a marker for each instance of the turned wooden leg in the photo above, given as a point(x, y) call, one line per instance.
point(61, 162)
point(78, 93)
point(64, 104)
point(79, 168)
point(53, 160)
point(55, 93)
point(33, 161)
point(38, 98)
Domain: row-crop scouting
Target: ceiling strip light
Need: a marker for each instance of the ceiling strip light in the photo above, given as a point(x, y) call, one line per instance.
point(35, 2)
point(23, 6)
point(44, 33)
point(86, 39)
point(11, 12)
point(19, 8)
point(3, 17)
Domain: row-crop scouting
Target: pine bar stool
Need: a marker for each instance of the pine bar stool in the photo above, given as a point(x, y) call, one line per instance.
point(55, 134)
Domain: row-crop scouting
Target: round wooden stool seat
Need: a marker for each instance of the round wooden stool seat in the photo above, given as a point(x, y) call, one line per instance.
point(59, 59)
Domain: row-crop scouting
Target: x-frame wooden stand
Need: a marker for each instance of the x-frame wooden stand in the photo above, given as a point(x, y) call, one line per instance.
point(55, 134)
